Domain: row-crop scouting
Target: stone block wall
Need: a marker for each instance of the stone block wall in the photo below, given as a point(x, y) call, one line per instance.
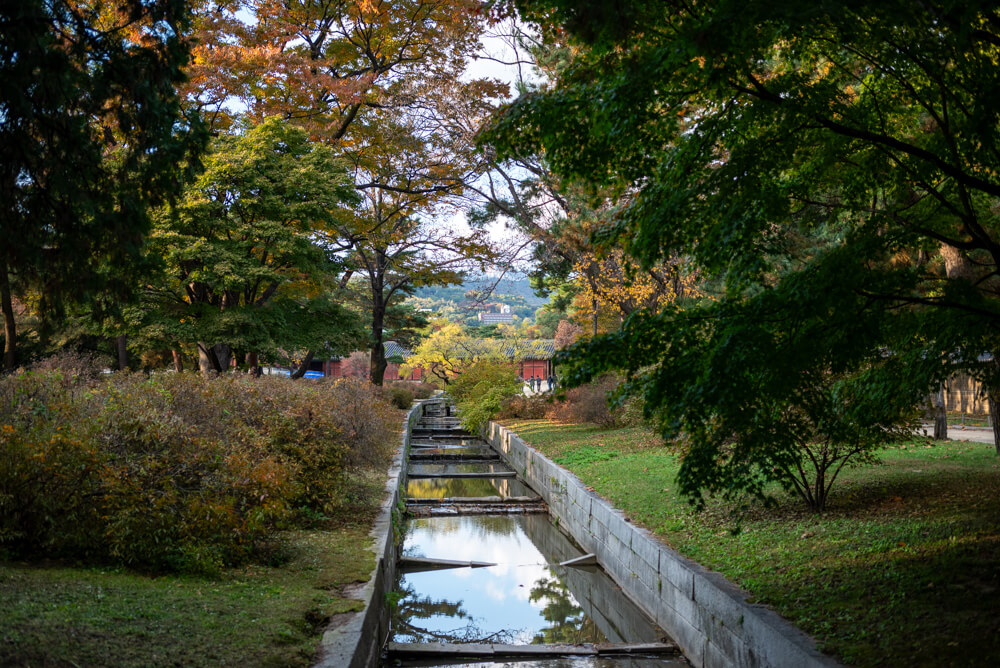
point(354, 640)
point(704, 613)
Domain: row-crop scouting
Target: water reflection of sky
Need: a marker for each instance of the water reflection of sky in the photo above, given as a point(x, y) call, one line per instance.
point(520, 600)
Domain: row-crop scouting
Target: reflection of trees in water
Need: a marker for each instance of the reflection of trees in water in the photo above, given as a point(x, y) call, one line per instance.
point(567, 621)
point(439, 488)
point(411, 610)
point(472, 527)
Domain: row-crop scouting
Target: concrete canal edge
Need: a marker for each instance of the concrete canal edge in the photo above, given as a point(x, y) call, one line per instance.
point(354, 639)
point(708, 616)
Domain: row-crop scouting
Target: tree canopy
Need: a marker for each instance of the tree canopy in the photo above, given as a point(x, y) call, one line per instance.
point(243, 270)
point(831, 167)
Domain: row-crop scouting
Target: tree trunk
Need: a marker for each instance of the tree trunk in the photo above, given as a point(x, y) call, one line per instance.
point(9, 326)
point(594, 320)
point(121, 347)
point(993, 401)
point(378, 363)
point(224, 355)
point(178, 361)
point(253, 365)
point(207, 361)
point(940, 416)
point(301, 371)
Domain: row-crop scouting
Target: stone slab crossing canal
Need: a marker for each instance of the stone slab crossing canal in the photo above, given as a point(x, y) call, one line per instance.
point(480, 580)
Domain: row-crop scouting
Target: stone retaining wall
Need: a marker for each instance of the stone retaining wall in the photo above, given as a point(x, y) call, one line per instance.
point(706, 615)
point(354, 640)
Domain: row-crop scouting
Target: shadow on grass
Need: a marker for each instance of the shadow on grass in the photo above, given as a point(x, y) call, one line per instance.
point(937, 604)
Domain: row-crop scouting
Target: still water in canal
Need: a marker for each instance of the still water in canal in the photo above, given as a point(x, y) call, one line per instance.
point(525, 598)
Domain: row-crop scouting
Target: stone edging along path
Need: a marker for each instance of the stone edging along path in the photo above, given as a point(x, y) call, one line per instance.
point(704, 613)
point(354, 639)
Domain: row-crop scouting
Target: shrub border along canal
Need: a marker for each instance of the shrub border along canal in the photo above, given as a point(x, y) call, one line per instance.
point(708, 616)
point(355, 639)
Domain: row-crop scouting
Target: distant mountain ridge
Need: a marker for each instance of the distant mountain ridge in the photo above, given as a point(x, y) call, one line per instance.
point(519, 287)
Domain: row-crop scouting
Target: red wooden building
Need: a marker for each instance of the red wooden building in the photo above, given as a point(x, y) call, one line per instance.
point(534, 355)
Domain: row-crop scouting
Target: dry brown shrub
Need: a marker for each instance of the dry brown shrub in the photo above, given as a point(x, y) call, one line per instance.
point(74, 365)
point(420, 390)
point(526, 408)
point(182, 472)
point(587, 403)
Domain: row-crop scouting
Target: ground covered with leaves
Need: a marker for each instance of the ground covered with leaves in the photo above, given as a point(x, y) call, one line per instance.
point(902, 569)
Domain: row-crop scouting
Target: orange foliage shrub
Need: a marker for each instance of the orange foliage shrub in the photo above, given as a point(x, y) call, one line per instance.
point(178, 472)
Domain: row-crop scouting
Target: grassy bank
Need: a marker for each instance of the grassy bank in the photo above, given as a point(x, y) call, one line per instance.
point(903, 568)
point(55, 615)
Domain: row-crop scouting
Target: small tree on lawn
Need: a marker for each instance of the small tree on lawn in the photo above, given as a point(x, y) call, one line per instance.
point(748, 401)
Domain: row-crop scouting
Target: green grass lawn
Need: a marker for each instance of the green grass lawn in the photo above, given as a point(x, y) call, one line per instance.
point(902, 569)
point(57, 615)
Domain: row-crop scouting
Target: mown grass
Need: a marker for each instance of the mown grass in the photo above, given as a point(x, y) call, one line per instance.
point(902, 569)
point(59, 615)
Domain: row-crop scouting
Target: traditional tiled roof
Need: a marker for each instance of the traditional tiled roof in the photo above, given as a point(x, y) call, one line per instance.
point(393, 349)
point(519, 349)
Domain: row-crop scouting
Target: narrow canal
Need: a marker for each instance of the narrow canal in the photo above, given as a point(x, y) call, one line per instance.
point(483, 579)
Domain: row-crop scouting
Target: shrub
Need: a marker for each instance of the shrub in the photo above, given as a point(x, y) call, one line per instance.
point(365, 419)
point(588, 403)
point(525, 408)
point(481, 390)
point(77, 366)
point(400, 396)
point(420, 389)
point(47, 492)
point(179, 472)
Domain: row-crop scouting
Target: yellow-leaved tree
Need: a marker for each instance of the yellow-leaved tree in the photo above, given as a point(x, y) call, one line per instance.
point(613, 285)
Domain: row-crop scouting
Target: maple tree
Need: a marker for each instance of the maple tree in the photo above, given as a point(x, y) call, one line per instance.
point(613, 284)
point(831, 167)
point(325, 65)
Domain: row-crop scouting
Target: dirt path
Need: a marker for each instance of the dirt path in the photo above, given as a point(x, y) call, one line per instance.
point(958, 433)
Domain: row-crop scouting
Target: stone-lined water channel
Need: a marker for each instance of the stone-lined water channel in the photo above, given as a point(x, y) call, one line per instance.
point(480, 579)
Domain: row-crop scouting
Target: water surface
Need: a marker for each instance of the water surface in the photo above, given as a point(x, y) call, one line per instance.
point(527, 598)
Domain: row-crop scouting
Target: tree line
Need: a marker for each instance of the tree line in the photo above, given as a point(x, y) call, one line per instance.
point(229, 182)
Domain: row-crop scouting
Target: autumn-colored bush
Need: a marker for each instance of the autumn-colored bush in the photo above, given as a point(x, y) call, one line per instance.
point(588, 403)
point(75, 365)
point(481, 390)
point(399, 396)
point(180, 472)
point(420, 389)
point(526, 408)
point(49, 489)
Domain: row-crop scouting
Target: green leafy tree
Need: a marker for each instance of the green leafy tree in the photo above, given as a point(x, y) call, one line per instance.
point(481, 389)
point(92, 136)
point(243, 269)
point(831, 168)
